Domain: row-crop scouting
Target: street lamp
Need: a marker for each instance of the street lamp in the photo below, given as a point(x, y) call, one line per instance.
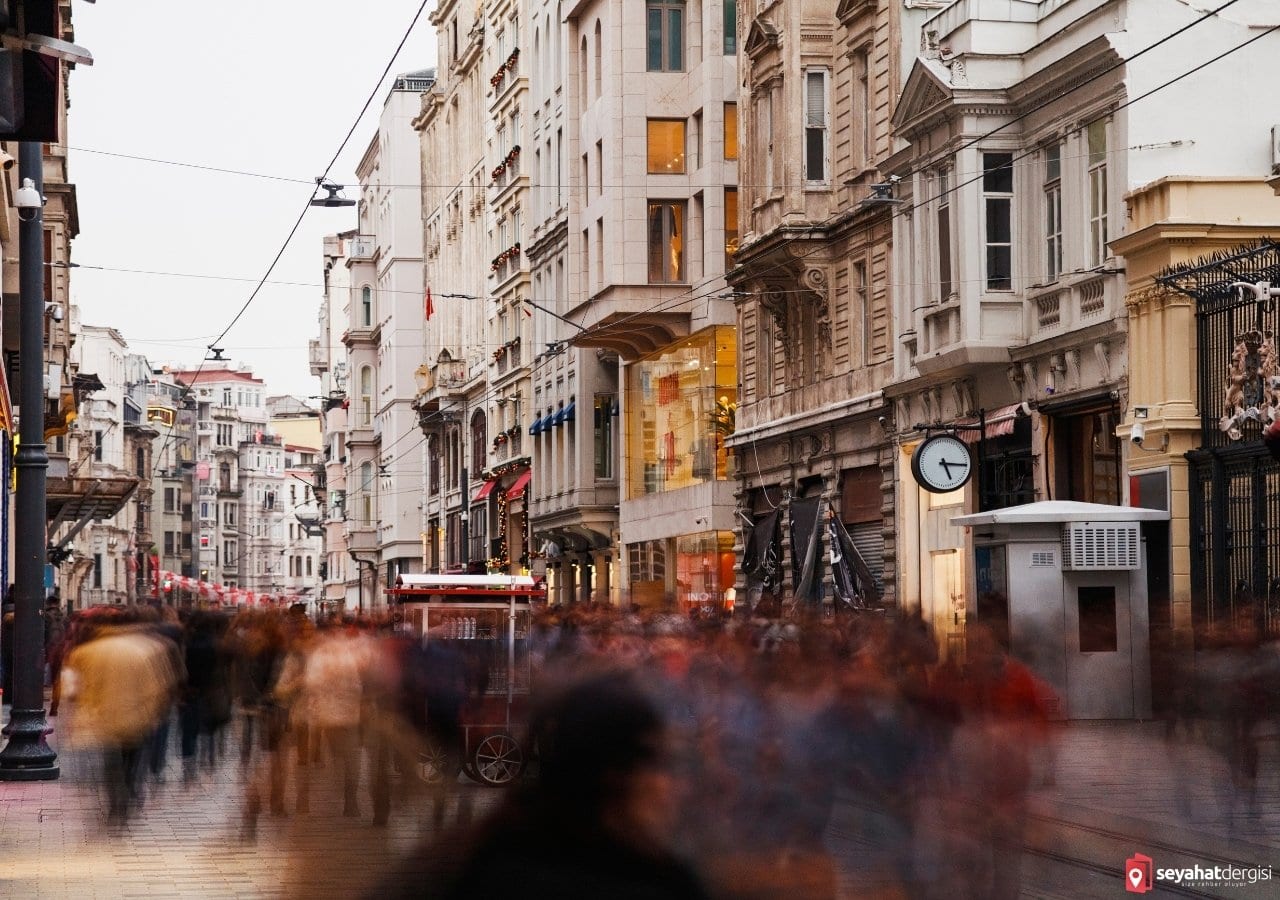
point(27, 756)
point(373, 570)
point(334, 196)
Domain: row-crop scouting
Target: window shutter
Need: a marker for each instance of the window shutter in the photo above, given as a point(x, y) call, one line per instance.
point(815, 105)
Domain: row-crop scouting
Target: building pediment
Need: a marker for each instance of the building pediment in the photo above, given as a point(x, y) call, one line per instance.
point(927, 90)
point(850, 8)
point(761, 37)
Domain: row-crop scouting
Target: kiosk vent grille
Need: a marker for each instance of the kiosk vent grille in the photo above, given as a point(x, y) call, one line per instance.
point(1094, 546)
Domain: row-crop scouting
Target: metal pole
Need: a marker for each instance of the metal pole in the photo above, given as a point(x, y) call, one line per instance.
point(464, 517)
point(27, 757)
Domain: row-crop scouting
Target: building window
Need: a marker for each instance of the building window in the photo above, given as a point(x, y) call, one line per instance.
point(170, 543)
point(366, 395)
point(731, 131)
point(1053, 212)
point(730, 27)
point(170, 500)
point(229, 553)
point(604, 418)
point(730, 226)
point(945, 283)
point(97, 570)
point(599, 62)
point(479, 435)
point(226, 396)
point(666, 242)
point(97, 446)
point(997, 197)
point(1097, 138)
point(366, 493)
point(366, 307)
point(815, 125)
point(665, 35)
point(666, 146)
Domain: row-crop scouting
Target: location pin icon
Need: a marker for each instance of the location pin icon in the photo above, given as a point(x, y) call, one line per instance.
point(1135, 876)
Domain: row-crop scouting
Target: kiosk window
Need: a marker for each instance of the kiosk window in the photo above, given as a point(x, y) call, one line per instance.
point(1097, 619)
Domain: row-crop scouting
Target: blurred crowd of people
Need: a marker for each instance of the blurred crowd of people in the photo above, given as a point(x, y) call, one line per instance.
point(670, 756)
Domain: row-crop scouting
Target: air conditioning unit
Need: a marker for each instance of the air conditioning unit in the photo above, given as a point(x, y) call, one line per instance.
point(1100, 546)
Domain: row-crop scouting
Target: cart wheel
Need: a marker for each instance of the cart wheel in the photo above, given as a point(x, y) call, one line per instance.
point(434, 764)
point(497, 760)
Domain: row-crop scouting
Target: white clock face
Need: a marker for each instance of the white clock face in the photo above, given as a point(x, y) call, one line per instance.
point(942, 463)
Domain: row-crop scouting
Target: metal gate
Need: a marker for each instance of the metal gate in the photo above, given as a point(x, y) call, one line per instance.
point(1234, 481)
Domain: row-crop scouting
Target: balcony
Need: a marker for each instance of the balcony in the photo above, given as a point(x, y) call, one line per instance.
point(1063, 308)
point(361, 247)
point(317, 357)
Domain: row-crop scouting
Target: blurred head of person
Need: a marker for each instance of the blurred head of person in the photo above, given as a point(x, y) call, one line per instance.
point(603, 752)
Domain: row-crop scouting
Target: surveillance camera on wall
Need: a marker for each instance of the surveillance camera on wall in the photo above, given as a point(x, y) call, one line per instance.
point(1138, 433)
point(7, 162)
point(55, 311)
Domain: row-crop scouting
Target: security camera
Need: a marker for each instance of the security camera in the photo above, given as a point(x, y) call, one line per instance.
point(27, 200)
point(55, 311)
point(6, 161)
point(883, 420)
point(1023, 409)
point(1138, 433)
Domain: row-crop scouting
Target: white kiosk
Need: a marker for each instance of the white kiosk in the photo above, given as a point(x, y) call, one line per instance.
point(1065, 584)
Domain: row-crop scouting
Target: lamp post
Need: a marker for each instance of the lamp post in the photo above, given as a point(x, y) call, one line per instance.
point(373, 570)
point(27, 756)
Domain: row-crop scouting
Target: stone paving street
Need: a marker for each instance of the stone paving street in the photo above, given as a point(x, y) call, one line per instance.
point(1118, 789)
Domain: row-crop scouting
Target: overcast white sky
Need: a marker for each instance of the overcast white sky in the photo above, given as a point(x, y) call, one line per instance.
point(264, 86)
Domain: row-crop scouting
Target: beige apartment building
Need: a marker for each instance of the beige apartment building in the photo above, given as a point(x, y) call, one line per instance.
point(651, 144)
point(453, 378)
point(573, 424)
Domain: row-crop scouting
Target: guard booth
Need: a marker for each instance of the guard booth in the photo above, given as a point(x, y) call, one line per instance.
point(1062, 584)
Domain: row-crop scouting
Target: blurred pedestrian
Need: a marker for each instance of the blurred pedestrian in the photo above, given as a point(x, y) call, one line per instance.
point(121, 680)
point(596, 823)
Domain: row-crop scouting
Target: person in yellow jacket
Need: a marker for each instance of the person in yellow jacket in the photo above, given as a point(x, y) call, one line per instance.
point(120, 681)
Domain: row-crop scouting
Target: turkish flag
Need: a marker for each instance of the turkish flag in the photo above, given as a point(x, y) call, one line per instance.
point(430, 307)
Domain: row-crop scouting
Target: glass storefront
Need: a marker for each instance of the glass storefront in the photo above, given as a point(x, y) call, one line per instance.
point(681, 405)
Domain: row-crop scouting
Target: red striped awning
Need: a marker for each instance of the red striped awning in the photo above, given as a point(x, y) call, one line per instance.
point(517, 488)
point(485, 490)
point(999, 423)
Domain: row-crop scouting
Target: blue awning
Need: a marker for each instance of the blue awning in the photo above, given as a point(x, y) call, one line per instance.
point(564, 414)
point(536, 428)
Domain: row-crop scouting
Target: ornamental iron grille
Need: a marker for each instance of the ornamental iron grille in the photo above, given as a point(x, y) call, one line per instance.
point(1234, 481)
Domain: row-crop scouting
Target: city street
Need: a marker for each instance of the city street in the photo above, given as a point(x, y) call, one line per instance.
point(1119, 790)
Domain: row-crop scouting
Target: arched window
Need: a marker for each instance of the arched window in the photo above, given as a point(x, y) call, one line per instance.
point(366, 493)
point(479, 439)
point(537, 59)
point(366, 395)
point(582, 74)
point(366, 307)
point(599, 54)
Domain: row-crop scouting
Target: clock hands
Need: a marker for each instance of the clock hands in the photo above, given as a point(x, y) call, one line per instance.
point(947, 464)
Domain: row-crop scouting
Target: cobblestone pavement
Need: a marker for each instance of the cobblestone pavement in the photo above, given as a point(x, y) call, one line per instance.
point(187, 840)
point(1117, 788)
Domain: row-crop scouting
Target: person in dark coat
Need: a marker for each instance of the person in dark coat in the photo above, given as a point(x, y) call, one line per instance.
point(595, 823)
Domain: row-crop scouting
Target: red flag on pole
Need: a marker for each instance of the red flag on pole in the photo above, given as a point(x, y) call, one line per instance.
point(431, 307)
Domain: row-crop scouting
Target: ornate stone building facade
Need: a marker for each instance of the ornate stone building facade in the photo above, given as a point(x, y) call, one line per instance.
point(813, 280)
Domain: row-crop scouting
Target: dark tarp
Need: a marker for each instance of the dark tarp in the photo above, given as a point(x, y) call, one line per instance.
point(855, 588)
point(806, 535)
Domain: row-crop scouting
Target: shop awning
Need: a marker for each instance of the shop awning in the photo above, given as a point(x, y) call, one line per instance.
point(564, 414)
point(518, 486)
point(485, 490)
point(999, 423)
point(536, 428)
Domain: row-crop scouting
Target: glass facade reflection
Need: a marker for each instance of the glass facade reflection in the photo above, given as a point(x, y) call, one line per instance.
point(681, 405)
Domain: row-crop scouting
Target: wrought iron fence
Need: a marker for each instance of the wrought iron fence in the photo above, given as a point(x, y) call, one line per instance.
point(1235, 482)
